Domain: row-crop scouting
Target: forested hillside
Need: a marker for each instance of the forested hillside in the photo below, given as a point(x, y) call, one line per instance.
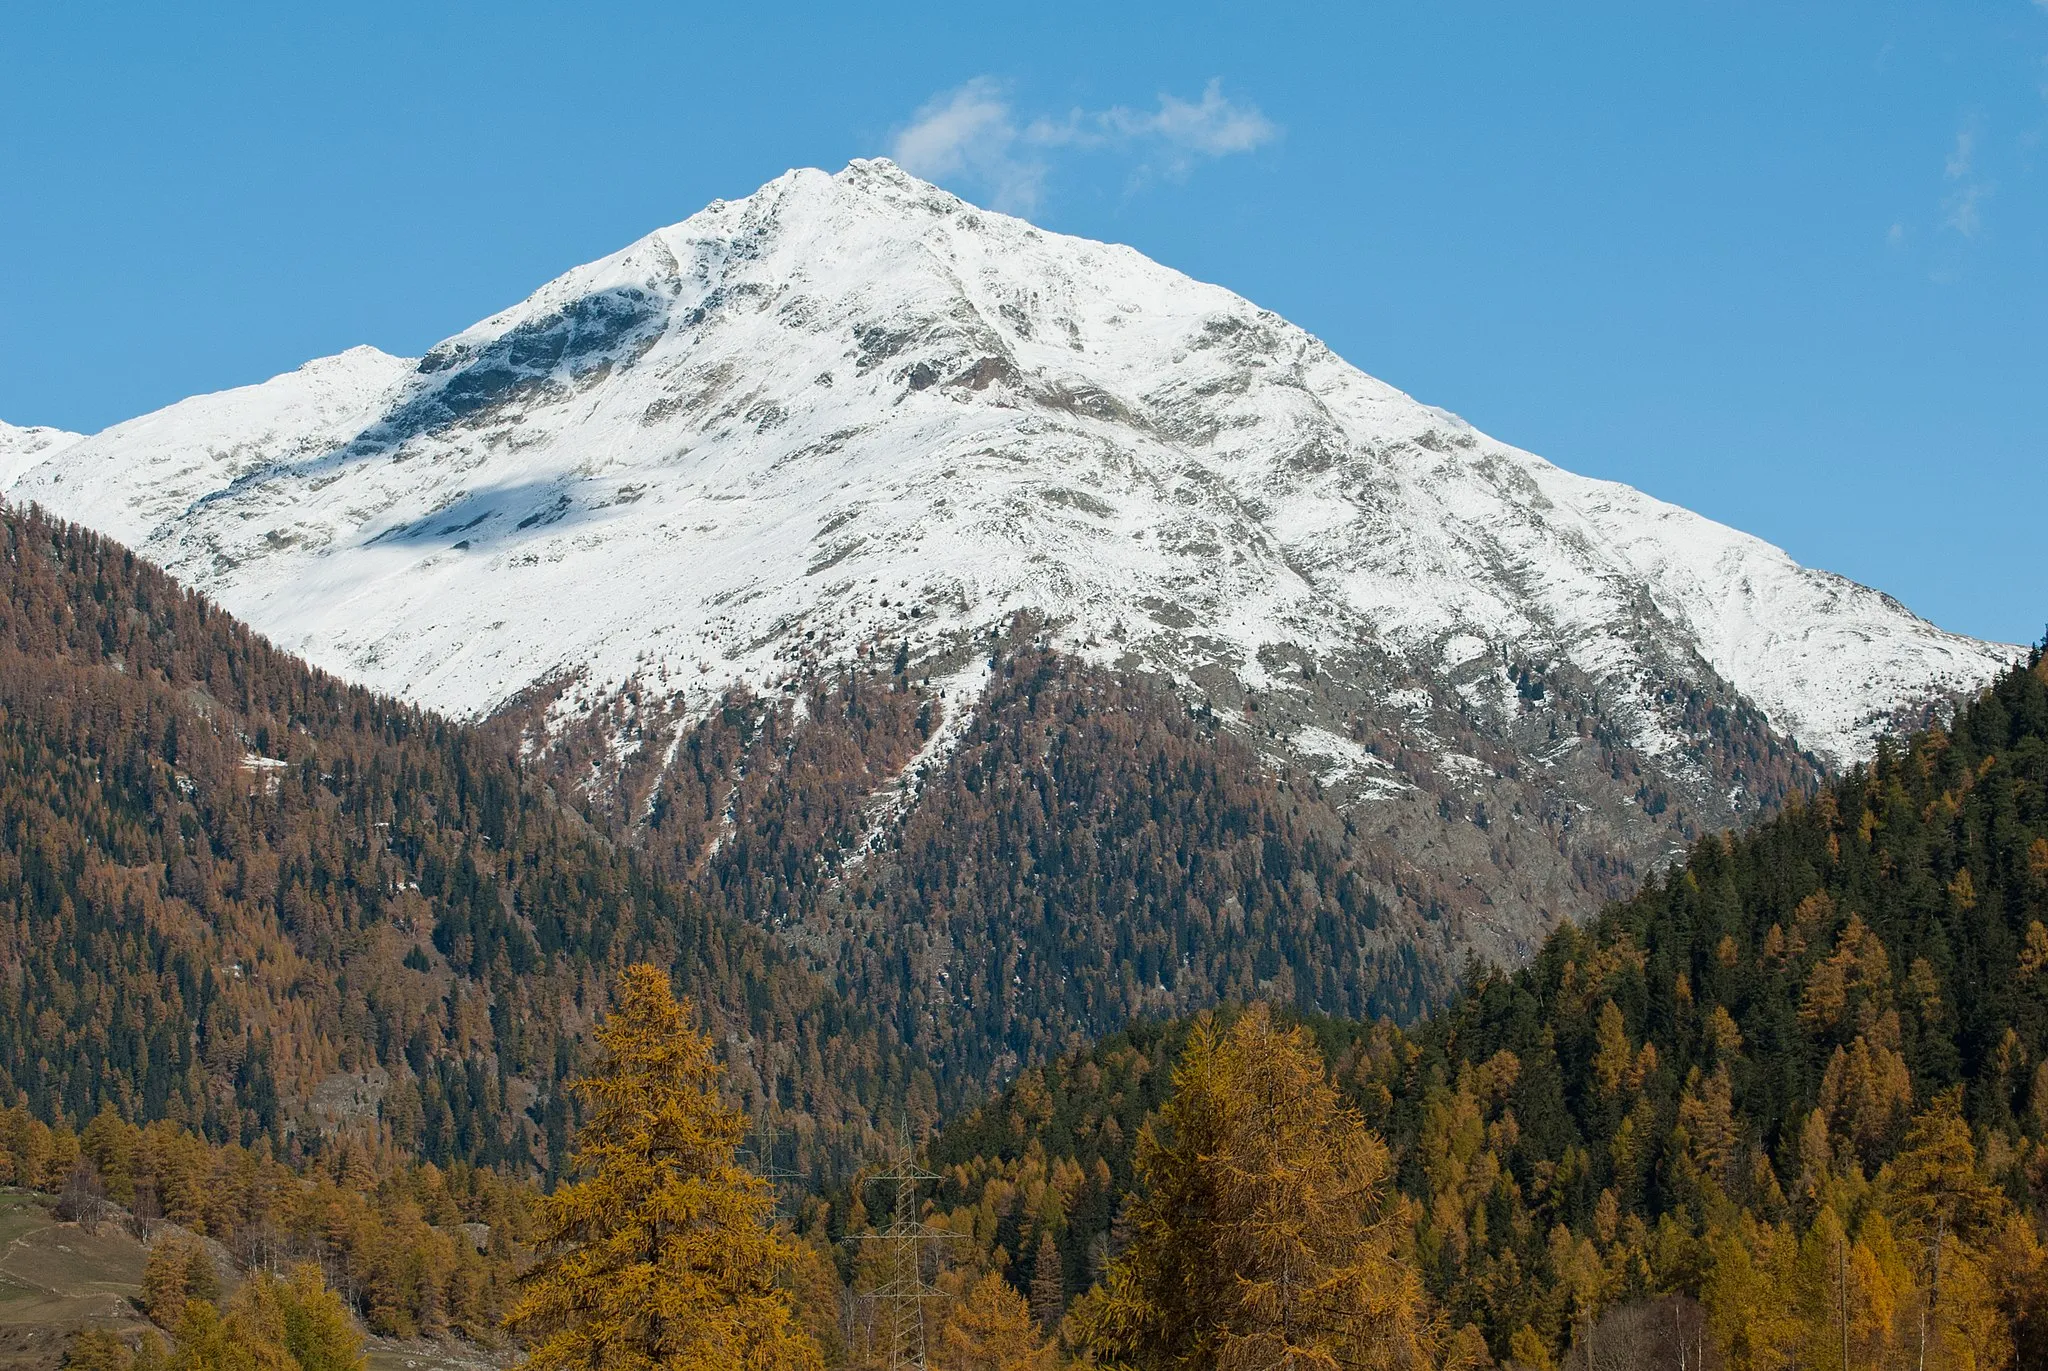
point(1076, 846)
point(238, 894)
point(288, 915)
point(244, 896)
point(1087, 849)
point(1822, 1044)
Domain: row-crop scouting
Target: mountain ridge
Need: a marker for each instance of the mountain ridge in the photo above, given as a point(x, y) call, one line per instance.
point(851, 421)
point(600, 319)
point(22, 448)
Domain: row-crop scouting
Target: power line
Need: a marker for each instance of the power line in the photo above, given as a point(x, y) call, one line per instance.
point(906, 1244)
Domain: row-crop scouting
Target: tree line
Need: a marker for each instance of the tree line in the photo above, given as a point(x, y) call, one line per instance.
point(227, 878)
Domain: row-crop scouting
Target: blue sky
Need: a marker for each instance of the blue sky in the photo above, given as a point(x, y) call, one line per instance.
point(1787, 265)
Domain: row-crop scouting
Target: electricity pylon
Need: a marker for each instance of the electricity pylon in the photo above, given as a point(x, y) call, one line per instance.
point(905, 1292)
point(761, 1150)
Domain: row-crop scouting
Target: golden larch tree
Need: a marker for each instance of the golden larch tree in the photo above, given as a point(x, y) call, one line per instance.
point(1262, 1238)
point(662, 1253)
point(991, 1329)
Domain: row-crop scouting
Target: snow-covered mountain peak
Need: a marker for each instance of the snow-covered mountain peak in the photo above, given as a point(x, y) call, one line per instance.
point(22, 448)
point(851, 410)
point(130, 479)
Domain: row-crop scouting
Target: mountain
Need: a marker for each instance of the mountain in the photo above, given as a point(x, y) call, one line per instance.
point(22, 448)
point(851, 422)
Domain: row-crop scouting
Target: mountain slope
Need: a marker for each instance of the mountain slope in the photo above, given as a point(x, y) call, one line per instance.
point(237, 893)
point(240, 894)
point(851, 419)
point(22, 448)
point(1767, 1034)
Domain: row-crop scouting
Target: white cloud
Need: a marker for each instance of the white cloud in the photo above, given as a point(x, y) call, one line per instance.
point(969, 132)
point(1963, 208)
point(1211, 126)
point(973, 134)
point(1959, 158)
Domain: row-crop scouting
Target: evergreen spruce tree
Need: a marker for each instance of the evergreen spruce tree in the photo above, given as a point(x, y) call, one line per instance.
point(202, 1278)
point(178, 1269)
point(1260, 1240)
point(661, 1255)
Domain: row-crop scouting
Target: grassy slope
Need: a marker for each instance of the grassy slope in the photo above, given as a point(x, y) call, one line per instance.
point(56, 1278)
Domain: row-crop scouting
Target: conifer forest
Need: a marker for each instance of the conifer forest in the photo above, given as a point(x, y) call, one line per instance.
point(369, 1025)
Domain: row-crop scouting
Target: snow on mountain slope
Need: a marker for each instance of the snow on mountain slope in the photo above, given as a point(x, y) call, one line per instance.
point(852, 408)
point(22, 448)
point(164, 463)
point(1831, 661)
